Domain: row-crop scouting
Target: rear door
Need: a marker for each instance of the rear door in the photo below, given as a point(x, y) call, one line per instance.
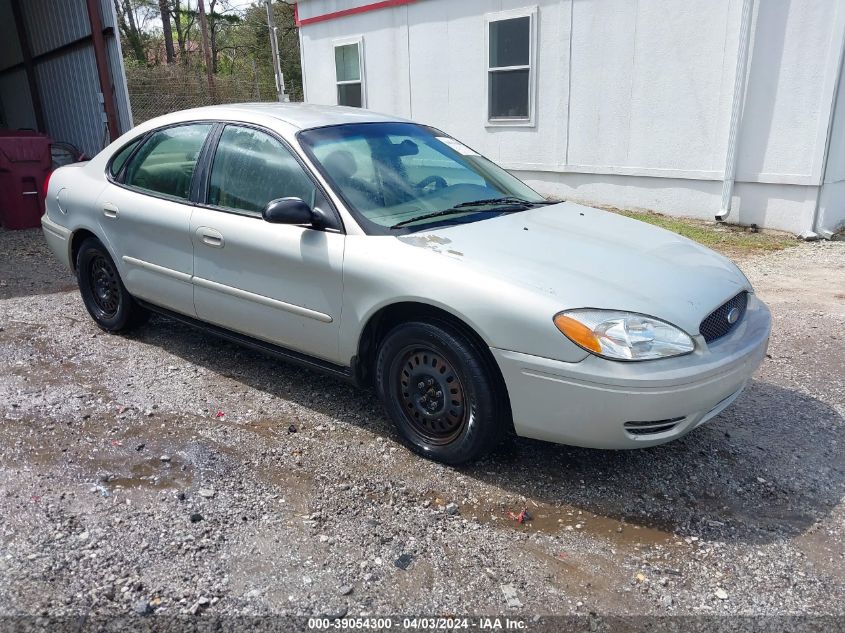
point(146, 214)
point(279, 283)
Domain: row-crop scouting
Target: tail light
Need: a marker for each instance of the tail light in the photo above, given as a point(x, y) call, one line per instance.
point(46, 185)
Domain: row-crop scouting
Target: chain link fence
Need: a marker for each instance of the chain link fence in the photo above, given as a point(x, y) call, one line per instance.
point(158, 90)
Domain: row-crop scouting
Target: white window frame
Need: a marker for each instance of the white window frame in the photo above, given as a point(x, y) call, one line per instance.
point(359, 40)
point(489, 18)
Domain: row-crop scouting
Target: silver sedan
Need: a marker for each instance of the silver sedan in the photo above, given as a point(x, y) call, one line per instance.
point(390, 254)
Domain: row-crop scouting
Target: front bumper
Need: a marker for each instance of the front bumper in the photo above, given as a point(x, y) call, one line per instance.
point(589, 403)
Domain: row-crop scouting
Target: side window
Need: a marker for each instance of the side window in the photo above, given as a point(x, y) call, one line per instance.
point(252, 168)
point(165, 163)
point(348, 65)
point(119, 159)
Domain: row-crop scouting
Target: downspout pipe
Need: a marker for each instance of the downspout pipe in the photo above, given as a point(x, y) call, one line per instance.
point(817, 227)
point(736, 110)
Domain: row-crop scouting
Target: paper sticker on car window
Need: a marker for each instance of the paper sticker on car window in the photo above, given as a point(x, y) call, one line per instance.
point(462, 149)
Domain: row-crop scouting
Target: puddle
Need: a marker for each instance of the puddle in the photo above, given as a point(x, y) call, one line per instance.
point(821, 550)
point(549, 519)
point(44, 444)
point(758, 513)
point(149, 473)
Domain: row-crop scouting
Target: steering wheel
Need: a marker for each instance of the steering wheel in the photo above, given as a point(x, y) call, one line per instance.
point(438, 181)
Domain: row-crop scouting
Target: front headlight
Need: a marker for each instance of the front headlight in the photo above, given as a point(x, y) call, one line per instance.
point(623, 335)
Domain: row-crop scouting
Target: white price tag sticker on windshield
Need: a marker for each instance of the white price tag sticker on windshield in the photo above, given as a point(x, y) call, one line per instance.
point(459, 147)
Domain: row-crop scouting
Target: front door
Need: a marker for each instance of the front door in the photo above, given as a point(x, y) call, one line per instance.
point(279, 283)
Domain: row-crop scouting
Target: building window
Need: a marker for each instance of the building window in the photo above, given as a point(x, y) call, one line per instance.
point(349, 71)
point(510, 72)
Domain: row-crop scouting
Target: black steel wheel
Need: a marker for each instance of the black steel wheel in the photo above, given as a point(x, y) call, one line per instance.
point(103, 293)
point(105, 284)
point(432, 394)
point(445, 396)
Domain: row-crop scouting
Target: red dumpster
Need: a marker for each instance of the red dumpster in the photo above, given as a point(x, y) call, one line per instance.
point(25, 162)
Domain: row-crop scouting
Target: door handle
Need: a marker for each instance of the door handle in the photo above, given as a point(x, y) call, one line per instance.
point(110, 211)
point(210, 237)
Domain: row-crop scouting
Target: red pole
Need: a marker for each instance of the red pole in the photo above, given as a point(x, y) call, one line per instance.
point(96, 21)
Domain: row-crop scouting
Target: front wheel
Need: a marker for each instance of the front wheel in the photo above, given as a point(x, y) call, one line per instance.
point(103, 293)
point(440, 390)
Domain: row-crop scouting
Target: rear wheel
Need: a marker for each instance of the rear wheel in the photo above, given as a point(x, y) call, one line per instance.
point(441, 392)
point(103, 293)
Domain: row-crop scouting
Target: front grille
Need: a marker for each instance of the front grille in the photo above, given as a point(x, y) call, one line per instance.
point(652, 427)
point(716, 324)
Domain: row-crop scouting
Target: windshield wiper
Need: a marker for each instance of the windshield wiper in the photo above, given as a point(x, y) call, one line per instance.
point(437, 214)
point(508, 204)
point(506, 200)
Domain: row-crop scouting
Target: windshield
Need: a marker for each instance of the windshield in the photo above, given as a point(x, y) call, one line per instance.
point(399, 175)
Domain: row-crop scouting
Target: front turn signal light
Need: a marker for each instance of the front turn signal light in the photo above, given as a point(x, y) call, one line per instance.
point(578, 333)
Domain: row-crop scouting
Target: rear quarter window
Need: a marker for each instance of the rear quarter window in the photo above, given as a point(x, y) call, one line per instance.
point(119, 159)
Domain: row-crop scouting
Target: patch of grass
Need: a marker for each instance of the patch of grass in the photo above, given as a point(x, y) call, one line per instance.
point(729, 239)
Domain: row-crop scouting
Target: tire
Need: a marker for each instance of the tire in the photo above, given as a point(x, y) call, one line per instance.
point(103, 293)
point(447, 401)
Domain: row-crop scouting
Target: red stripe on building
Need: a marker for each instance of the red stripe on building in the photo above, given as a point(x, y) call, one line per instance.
point(375, 6)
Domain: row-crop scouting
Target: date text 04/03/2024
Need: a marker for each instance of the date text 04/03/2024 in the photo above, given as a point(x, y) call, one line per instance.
point(420, 623)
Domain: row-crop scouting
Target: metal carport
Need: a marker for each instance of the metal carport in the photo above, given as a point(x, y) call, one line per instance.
point(61, 71)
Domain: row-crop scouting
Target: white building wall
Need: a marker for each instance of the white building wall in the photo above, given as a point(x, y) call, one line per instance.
point(633, 99)
point(385, 48)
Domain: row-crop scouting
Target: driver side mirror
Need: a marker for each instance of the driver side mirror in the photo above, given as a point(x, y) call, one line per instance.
point(288, 211)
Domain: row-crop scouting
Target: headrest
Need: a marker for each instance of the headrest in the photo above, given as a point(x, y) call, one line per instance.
point(340, 164)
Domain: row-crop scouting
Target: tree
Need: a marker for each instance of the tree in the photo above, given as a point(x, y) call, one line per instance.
point(252, 40)
point(206, 46)
point(167, 30)
point(127, 24)
point(239, 65)
point(218, 21)
point(183, 21)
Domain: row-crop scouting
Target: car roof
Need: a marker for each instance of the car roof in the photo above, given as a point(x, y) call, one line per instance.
point(299, 115)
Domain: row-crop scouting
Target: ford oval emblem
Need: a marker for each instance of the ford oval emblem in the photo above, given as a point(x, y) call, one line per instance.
point(733, 315)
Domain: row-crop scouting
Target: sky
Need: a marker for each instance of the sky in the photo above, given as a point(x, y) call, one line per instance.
point(240, 4)
point(151, 20)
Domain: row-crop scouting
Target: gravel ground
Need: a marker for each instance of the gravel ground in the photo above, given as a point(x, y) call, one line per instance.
point(169, 472)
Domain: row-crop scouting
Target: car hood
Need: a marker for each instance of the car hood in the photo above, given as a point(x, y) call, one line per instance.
point(586, 258)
